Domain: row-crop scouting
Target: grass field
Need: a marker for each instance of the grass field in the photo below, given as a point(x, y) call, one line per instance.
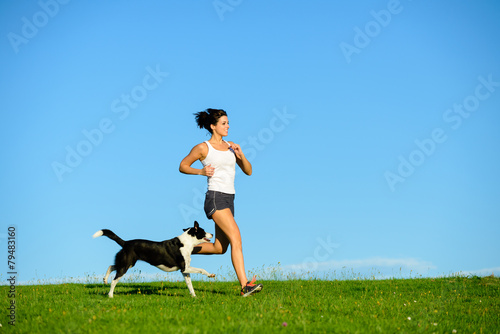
point(420, 305)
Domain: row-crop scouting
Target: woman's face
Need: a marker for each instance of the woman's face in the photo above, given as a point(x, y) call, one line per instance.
point(222, 126)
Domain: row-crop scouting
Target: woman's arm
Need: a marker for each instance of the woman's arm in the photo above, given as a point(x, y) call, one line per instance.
point(242, 161)
point(197, 153)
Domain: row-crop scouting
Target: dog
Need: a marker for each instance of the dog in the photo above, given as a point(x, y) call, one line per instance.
point(169, 255)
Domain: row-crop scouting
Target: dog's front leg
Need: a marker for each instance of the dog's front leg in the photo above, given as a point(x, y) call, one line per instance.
point(193, 270)
point(189, 284)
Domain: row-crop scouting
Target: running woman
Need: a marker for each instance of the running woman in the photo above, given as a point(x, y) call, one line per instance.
point(219, 158)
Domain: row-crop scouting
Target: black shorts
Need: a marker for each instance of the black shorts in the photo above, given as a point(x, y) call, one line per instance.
point(215, 200)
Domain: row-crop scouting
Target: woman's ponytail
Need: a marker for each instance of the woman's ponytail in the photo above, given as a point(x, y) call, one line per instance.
point(208, 117)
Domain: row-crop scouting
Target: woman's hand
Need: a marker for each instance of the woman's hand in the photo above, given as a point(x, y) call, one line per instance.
point(208, 170)
point(241, 160)
point(237, 150)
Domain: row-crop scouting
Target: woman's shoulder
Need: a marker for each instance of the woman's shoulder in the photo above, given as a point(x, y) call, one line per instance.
point(201, 147)
point(200, 151)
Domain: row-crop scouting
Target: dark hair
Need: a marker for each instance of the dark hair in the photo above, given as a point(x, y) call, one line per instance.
point(209, 117)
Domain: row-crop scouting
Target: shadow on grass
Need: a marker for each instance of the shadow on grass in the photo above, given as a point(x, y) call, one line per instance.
point(144, 289)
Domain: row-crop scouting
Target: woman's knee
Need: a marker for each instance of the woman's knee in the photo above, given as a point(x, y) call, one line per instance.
point(220, 249)
point(223, 250)
point(237, 245)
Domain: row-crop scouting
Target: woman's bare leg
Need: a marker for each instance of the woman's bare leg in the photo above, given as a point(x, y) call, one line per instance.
point(219, 246)
point(227, 232)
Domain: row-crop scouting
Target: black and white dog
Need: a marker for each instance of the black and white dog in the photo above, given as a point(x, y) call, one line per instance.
point(169, 255)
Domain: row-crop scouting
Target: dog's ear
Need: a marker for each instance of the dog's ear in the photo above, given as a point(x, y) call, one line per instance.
point(185, 229)
point(196, 225)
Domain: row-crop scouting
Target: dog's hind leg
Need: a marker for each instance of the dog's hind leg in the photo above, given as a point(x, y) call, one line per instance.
point(123, 262)
point(189, 284)
point(119, 274)
point(113, 284)
point(110, 269)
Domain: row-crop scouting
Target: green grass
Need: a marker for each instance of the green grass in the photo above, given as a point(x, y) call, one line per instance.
point(441, 305)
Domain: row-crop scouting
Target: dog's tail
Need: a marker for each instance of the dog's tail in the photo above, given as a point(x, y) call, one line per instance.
point(111, 235)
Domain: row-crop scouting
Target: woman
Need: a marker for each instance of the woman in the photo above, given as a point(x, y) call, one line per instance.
point(219, 158)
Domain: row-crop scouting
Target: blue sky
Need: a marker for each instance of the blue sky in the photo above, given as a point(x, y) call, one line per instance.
point(372, 127)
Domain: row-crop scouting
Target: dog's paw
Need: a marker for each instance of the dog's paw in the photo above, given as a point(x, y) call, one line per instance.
point(211, 275)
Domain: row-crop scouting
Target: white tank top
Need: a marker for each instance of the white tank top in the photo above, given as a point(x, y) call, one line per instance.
point(224, 163)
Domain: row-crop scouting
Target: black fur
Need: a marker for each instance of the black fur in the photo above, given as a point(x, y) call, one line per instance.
point(114, 237)
point(165, 253)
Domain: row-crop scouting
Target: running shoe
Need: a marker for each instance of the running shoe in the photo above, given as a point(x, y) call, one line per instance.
point(251, 288)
